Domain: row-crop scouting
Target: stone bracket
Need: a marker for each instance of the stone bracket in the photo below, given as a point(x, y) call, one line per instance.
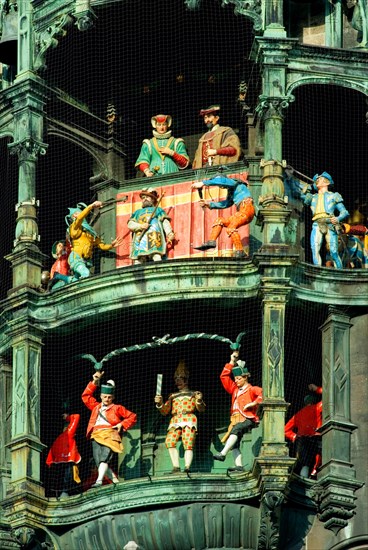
point(336, 501)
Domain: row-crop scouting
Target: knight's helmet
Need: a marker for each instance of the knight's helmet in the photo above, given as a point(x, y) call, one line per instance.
point(181, 371)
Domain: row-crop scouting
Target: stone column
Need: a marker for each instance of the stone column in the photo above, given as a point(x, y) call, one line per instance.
point(25, 444)
point(274, 213)
point(337, 477)
point(273, 466)
point(274, 19)
point(27, 97)
point(5, 424)
point(334, 25)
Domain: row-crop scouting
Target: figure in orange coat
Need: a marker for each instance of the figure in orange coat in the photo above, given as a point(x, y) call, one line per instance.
point(65, 456)
point(104, 427)
point(245, 399)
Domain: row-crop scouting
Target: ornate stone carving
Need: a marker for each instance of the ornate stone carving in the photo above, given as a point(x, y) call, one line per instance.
point(252, 9)
point(269, 107)
point(336, 502)
point(84, 15)
point(24, 536)
point(249, 8)
point(357, 15)
point(274, 359)
point(28, 149)
point(49, 38)
point(270, 519)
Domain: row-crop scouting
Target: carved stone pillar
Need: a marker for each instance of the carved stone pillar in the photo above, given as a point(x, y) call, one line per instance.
point(5, 424)
point(274, 213)
point(274, 18)
point(337, 477)
point(273, 406)
point(270, 520)
point(25, 444)
point(273, 466)
point(27, 99)
point(334, 25)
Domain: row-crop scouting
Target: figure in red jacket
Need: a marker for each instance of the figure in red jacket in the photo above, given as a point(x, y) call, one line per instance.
point(60, 270)
point(302, 430)
point(245, 399)
point(104, 427)
point(65, 456)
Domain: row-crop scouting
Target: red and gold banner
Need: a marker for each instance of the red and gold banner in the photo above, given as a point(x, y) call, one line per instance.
point(191, 224)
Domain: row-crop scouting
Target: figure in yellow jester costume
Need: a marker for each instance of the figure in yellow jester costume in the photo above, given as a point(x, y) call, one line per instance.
point(182, 405)
point(84, 240)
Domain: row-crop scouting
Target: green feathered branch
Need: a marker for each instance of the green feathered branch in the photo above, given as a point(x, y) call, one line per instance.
point(165, 340)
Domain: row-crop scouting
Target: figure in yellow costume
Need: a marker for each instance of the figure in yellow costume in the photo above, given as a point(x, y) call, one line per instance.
point(183, 424)
point(84, 240)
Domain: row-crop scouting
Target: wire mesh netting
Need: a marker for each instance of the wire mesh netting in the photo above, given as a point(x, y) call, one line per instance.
point(135, 63)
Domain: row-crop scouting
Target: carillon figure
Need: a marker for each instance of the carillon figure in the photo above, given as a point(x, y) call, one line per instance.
point(238, 194)
point(64, 456)
point(151, 228)
point(84, 239)
point(108, 421)
point(328, 212)
point(162, 154)
point(219, 145)
point(183, 406)
point(245, 399)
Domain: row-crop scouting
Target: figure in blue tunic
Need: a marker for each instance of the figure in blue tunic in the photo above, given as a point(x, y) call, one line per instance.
point(151, 229)
point(326, 225)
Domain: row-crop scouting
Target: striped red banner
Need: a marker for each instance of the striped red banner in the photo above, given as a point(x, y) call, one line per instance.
point(191, 224)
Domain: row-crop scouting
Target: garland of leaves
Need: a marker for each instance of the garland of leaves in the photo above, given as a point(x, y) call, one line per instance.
point(164, 340)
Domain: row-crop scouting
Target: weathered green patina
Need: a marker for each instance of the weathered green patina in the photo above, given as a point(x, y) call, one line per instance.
point(238, 511)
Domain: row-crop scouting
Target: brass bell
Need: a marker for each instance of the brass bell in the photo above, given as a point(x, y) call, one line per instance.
point(9, 37)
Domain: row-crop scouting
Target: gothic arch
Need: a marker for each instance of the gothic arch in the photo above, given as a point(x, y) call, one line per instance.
point(327, 80)
point(89, 146)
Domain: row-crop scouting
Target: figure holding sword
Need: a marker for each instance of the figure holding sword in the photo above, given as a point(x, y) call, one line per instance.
point(151, 229)
point(182, 404)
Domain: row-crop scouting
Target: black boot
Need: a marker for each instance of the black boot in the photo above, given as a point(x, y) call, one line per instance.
point(240, 254)
point(219, 456)
point(206, 245)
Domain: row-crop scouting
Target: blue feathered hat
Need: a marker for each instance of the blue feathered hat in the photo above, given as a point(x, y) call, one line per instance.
point(323, 175)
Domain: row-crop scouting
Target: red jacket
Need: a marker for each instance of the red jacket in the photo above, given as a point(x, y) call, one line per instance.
point(64, 448)
point(305, 422)
point(241, 396)
point(114, 413)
